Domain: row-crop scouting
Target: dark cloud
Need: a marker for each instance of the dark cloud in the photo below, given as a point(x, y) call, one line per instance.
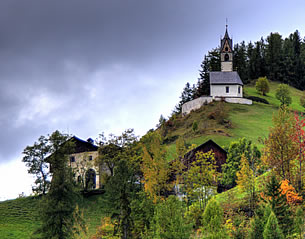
point(105, 65)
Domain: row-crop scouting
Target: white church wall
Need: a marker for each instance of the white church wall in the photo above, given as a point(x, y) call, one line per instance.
point(220, 91)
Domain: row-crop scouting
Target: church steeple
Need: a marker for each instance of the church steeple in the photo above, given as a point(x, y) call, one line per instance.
point(226, 52)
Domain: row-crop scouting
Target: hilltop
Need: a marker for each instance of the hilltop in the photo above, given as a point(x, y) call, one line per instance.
point(250, 121)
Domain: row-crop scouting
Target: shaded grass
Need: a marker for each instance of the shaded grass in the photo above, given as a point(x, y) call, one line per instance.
point(19, 218)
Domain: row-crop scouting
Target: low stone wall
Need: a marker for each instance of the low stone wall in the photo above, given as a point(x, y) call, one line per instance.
point(199, 102)
point(242, 101)
point(195, 104)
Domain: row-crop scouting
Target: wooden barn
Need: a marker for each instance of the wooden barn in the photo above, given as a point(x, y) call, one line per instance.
point(219, 153)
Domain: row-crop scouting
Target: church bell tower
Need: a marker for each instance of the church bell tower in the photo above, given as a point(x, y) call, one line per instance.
point(226, 52)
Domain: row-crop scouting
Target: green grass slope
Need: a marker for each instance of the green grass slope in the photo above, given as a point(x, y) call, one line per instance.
point(250, 121)
point(19, 218)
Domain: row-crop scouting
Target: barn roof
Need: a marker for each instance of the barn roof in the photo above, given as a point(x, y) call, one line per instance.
point(225, 78)
point(192, 153)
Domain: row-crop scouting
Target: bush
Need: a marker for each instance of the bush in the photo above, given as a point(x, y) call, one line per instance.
point(195, 126)
point(258, 99)
point(219, 114)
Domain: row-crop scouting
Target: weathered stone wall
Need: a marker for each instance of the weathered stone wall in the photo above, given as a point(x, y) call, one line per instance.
point(242, 101)
point(195, 104)
point(199, 102)
point(82, 162)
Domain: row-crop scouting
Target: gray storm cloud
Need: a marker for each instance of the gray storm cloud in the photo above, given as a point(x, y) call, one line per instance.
point(89, 66)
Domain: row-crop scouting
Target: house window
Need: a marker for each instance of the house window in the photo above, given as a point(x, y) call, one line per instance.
point(227, 89)
point(238, 89)
point(72, 159)
point(90, 158)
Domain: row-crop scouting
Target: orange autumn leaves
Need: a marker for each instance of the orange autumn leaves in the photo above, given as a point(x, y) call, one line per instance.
point(289, 191)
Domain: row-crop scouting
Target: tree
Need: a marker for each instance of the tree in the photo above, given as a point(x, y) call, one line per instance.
point(299, 138)
point(288, 190)
point(258, 222)
point(112, 149)
point(278, 202)
point(235, 151)
point(272, 230)
point(262, 85)
point(212, 221)
point(283, 94)
point(299, 223)
point(120, 190)
point(201, 177)
point(59, 214)
point(280, 150)
point(168, 220)
point(35, 158)
point(155, 167)
point(246, 180)
point(186, 96)
point(274, 56)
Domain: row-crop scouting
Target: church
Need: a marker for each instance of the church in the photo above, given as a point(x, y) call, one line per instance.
point(225, 84)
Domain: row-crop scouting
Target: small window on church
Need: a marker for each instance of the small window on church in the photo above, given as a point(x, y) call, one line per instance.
point(227, 57)
point(90, 158)
point(72, 159)
point(227, 89)
point(238, 89)
point(226, 49)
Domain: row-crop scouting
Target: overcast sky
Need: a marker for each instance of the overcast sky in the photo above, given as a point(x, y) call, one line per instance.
point(90, 66)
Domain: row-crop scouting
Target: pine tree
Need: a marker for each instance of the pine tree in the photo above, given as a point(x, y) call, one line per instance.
point(59, 214)
point(272, 229)
point(212, 221)
point(299, 223)
point(258, 222)
point(186, 96)
point(279, 205)
point(121, 189)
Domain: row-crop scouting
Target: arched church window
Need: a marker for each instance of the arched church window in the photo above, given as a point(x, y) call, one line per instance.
point(227, 57)
point(226, 49)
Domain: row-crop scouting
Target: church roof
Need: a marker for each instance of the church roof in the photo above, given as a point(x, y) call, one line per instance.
point(226, 38)
point(225, 78)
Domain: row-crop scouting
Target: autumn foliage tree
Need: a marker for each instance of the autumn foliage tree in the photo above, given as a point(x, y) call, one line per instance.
point(299, 138)
point(280, 150)
point(155, 167)
point(246, 180)
point(201, 177)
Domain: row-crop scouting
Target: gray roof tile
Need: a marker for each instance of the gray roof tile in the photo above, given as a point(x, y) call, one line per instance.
point(225, 77)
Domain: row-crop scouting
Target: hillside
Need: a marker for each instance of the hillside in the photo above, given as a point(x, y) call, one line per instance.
point(251, 121)
point(19, 218)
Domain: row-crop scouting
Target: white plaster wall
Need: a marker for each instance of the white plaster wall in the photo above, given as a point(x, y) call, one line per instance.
point(227, 66)
point(195, 104)
point(220, 91)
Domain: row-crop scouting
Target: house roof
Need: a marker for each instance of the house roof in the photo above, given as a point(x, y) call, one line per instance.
point(81, 146)
point(225, 78)
point(192, 153)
